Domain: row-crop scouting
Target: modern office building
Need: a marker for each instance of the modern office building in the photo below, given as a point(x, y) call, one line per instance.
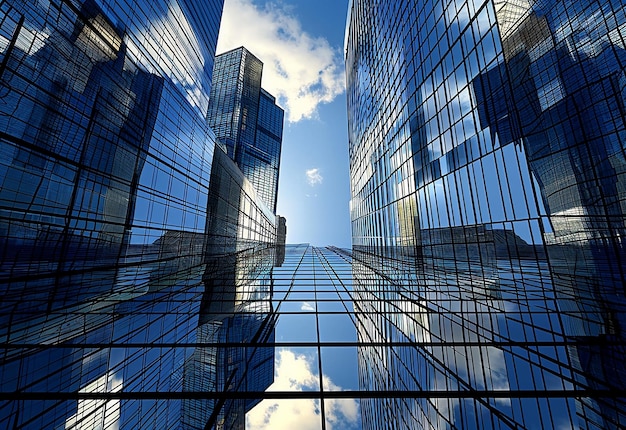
point(488, 175)
point(316, 372)
point(246, 120)
point(119, 218)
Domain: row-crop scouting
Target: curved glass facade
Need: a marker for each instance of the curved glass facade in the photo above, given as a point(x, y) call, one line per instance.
point(98, 146)
point(488, 176)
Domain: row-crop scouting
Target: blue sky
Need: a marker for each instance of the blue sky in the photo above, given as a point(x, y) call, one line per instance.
point(301, 46)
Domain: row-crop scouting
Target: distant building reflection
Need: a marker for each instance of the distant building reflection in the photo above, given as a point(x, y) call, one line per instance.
point(488, 187)
point(565, 104)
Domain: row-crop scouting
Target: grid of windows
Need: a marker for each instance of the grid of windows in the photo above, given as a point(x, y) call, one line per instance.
point(264, 159)
point(115, 207)
point(247, 120)
point(487, 147)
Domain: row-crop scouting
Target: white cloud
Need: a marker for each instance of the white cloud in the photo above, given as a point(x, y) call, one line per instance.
point(313, 177)
point(294, 373)
point(306, 306)
point(301, 70)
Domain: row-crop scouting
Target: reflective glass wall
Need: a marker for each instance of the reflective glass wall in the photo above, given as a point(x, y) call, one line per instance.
point(487, 149)
point(316, 377)
point(115, 208)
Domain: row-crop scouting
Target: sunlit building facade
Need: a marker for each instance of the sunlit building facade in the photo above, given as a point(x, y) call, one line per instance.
point(488, 176)
point(246, 120)
point(120, 218)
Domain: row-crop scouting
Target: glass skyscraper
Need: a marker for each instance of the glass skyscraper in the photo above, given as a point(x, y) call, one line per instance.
point(487, 148)
point(130, 243)
point(246, 120)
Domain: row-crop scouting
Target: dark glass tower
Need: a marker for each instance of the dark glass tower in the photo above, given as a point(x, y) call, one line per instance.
point(488, 175)
point(246, 120)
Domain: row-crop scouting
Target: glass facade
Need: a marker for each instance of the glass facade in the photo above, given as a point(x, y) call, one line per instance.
point(316, 382)
point(487, 154)
point(130, 244)
point(247, 121)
